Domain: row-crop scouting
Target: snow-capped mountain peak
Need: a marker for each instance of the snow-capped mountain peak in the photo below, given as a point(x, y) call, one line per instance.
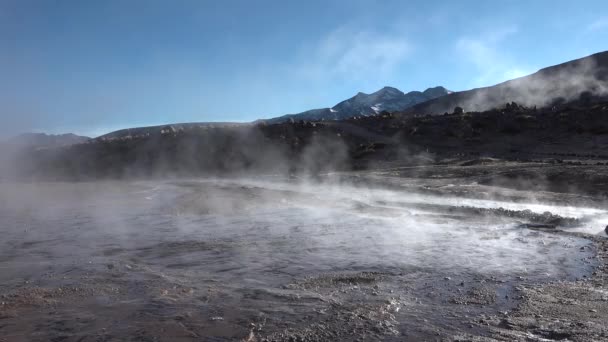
point(386, 99)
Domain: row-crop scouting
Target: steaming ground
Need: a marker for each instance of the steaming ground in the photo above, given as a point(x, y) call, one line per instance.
point(359, 256)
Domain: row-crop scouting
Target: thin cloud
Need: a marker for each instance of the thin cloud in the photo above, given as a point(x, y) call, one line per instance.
point(598, 25)
point(353, 54)
point(492, 64)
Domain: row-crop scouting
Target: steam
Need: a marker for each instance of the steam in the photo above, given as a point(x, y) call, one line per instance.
point(255, 227)
point(350, 52)
point(577, 80)
point(598, 25)
point(562, 83)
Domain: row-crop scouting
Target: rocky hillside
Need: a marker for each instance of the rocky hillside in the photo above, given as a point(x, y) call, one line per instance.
point(557, 84)
point(576, 129)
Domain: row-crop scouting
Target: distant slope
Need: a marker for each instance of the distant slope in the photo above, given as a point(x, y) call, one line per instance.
point(386, 99)
point(12, 148)
point(559, 83)
point(38, 140)
point(167, 129)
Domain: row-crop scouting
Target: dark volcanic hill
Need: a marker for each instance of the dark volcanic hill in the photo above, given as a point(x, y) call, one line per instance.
point(556, 84)
point(513, 132)
point(386, 99)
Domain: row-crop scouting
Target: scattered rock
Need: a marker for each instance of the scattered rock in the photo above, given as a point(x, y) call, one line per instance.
point(537, 226)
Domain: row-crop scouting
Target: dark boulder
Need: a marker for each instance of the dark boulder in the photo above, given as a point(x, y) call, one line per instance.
point(458, 110)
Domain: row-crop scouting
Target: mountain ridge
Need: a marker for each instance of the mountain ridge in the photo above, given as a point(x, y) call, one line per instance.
point(362, 104)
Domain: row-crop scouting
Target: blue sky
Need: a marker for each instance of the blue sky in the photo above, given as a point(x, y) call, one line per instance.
point(90, 67)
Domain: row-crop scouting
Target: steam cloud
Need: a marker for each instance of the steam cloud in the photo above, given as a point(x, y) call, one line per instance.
point(586, 77)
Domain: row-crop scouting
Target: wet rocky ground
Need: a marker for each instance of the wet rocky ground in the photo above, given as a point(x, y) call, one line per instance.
point(403, 253)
